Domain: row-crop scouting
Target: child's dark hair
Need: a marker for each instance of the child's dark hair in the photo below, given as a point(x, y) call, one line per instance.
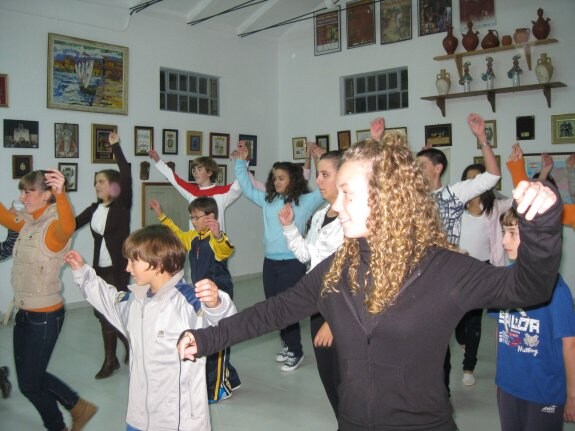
point(36, 180)
point(334, 156)
point(209, 164)
point(205, 204)
point(487, 198)
point(435, 156)
point(158, 246)
point(509, 217)
point(297, 183)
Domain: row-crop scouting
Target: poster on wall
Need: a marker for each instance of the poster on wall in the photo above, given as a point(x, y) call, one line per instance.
point(395, 21)
point(360, 23)
point(480, 13)
point(327, 32)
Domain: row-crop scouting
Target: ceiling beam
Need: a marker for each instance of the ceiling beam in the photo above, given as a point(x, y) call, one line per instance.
point(259, 12)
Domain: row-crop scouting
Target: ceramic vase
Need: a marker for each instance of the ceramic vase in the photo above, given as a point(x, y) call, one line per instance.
point(470, 39)
point(544, 69)
point(491, 39)
point(443, 82)
point(450, 42)
point(541, 27)
point(521, 35)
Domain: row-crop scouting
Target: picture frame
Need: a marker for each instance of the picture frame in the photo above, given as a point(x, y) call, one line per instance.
point(479, 159)
point(252, 145)
point(3, 90)
point(525, 127)
point(191, 178)
point(21, 165)
point(343, 140)
point(401, 129)
point(362, 135)
point(219, 145)
point(101, 148)
point(434, 16)
point(70, 171)
point(222, 177)
point(66, 141)
point(172, 202)
point(299, 148)
point(490, 134)
point(327, 32)
point(395, 21)
point(322, 141)
point(559, 172)
point(194, 144)
point(481, 14)
point(438, 135)
point(169, 141)
point(84, 75)
point(143, 140)
point(563, 129)
point(21, 134)
point(360, 18)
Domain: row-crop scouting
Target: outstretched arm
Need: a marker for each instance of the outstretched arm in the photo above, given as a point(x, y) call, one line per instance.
point(7, 245)
point(516, 165)
point(477, 126)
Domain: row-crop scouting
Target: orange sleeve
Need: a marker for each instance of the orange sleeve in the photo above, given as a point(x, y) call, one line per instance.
point(568, 216)
point(7, 219)
point(61, 230)
point(517, 170)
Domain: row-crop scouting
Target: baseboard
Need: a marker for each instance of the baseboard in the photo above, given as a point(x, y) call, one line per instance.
point(247, 277)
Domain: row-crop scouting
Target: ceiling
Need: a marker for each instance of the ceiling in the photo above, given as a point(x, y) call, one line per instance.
point(249, 16)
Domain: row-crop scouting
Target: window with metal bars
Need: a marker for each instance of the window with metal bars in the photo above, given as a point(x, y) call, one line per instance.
point(189, 92)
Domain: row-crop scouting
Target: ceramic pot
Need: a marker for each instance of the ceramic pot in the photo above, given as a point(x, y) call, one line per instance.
point(544, 69)
point(521, 35)
point(443, 82)
point(450, 42)
point(491, 39)
point(506, 40)
point(541, 27)
point(470, 39)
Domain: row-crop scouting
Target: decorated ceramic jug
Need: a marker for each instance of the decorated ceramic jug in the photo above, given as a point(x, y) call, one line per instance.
point(450, 42)
point(443, 82)
point(470, 39)
point(541, 27)
point(491, 39)
point(544, 69)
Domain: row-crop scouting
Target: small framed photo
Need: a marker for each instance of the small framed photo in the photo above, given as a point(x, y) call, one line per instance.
point(70, 172)
point(66, 144)
point(490, 134)
point(525, 127)
point(222, 177)
point(322, 141)
point(21, 165)
point(21, 134)
point(3, 90)
point(360, 23)
point(479, 159)
point(562, 129)
point(559, 173)
point(191, 178)
point(194, 143)
point(395, 21)
point(327, 32)
point(252, 145)
point(438, 135)
point(143, 140)
point(219, 145)
point(434, 16)
point(362, 135)
point(169, 141)
point(101, 148)
point(299, 148)
point(343, 140)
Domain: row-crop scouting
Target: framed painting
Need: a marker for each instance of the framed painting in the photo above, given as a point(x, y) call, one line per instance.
point(299, 148)
point(252, 145)
point(170, 199)
point(70, 172)
point(327, 32)
point(438, 135)
point(395, 21)
point(143, 140)
point(194, 143)
point(362, 135)
point(222, 177)
point(480, 13)
point(169, 141)
point(490, 134)
point(479, 159)
point(322, 141)
point(343, 140)
point(559, 172)
point(84, 75)
point(562, 129)
point(434, 16)
point(66, 143)
point(360, 23)
point(219, 145)
point(3, 90)
point(101, 148)
point(21, 165)
point(21, 134)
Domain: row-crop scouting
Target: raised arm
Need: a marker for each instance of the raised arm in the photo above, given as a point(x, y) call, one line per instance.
point(516, 165)
point(295, 241)
point(477, 125)
point(253, 194)
point(187, 190)
point(61, 230)
point(126, 191)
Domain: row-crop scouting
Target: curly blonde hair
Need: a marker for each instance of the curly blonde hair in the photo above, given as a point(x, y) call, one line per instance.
point(403, 222)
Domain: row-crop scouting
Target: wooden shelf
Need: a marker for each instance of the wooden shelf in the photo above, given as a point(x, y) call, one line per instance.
point(459, 56)
point(440, 100)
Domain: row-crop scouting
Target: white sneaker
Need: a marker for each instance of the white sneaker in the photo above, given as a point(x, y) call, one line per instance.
point(282, 355)
point(468, 379)
point(292, 362)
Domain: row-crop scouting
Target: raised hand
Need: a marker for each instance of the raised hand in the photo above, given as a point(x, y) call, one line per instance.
point(477, 125)
point(533, 198)
point(546, 166)
point(74, 259)
point(156, 207)
point(55, 179)
point(377, 128)
point(207, 292)
point(113, 138)
point(213, 225)
point(516, 153)
point(571, 161)
point(154, 155)
point(286, 215)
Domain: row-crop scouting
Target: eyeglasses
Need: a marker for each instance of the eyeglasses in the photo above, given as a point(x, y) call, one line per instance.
point(196, 218)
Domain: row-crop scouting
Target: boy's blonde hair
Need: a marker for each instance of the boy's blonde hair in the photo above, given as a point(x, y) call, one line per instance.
point(209, 164)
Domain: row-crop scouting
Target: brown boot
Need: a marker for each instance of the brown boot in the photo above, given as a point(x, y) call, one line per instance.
point(111, 363)
point(81, 413)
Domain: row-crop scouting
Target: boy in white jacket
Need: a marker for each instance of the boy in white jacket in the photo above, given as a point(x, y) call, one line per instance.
point(164, 393)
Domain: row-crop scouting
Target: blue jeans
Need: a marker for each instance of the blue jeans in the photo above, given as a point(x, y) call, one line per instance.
point(35, 335)
point(131, 428)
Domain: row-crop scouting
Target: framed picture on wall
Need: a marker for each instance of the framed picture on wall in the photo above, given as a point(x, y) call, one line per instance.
point(343, 140)
point(360, 23)
point(299, 148)
point(434, 16)
point(562, 129)
point(66, 142)
point(21, 165)
point(362, 135)
point(169, 141)
point(481, 14)
point(70, 172)
point(3, 90)
point(252, 145)
point(222, 177)
point(401, 129)
point(327, 32)
point(219, 145)
point(490, 134)
point(533, 166)
point(322, 141)
point(143, 140)
point(438, 135)
point(395, 21)
point(101, 148)
point(21, 134)
point(194, 143)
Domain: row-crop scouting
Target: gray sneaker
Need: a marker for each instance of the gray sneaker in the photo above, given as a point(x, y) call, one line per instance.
point(282, 355)
point(292, 362)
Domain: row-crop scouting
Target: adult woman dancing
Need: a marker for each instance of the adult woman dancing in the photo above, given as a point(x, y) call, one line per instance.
point(45, 228)
point(109, 220)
